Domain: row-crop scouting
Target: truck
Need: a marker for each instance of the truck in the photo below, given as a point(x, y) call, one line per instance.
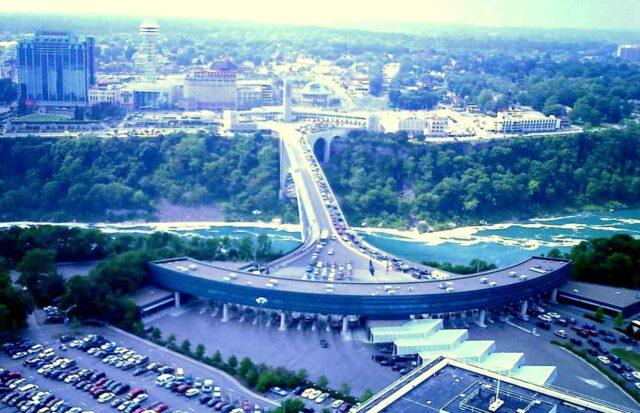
point(324, 235)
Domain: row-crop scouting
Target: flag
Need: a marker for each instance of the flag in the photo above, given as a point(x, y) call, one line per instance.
point(371, 269)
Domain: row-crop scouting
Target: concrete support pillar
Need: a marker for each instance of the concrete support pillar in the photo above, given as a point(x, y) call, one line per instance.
point(176, 297)
point(480, 320)
point(225, 312)
point(327, 151)
point(283, 321)
point(523, 309)
point(345, 325)
point(554, 295)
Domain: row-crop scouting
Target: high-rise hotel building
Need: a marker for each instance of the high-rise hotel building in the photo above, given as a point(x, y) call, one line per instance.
point(55, 69)
point(213, 88)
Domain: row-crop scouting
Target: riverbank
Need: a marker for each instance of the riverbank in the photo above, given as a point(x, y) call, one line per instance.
point(502, 243)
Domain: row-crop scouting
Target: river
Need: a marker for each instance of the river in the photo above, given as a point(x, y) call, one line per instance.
point(502, 244)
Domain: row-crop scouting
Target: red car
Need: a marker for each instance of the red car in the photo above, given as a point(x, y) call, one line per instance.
point(161, 407)
point(246, 406)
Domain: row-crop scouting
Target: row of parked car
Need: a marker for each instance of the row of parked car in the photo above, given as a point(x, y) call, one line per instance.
point(594, 338)
point(16, 391)
point(168, 377)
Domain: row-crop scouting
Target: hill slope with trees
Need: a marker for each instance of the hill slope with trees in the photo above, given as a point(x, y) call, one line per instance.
point(115, 179)
point(468, 183)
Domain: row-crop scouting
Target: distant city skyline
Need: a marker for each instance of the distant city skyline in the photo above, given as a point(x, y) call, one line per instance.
point(571, 14)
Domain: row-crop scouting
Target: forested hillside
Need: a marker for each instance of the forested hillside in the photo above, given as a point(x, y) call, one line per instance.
point(498, 180)
point(96, 179)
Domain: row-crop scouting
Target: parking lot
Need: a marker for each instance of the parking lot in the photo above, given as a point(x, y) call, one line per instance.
point(350, 360)
point(573, 373)
point(345, 360)
point(230, 391)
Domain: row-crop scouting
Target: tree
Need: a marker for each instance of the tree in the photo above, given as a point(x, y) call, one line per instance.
point(619, 320)
point(366, 396)
point(246, 365)
point(232, 362)
point(171, 341)
point(345, 389)
point(323, 382)
point(156, 334)
point(599, 314)
point(38, 274)
point(15, 305)
point(290, 406)
point(186, 346)
point(199, 353)
point(8, 91)
point(302, 375)
point(217, 358)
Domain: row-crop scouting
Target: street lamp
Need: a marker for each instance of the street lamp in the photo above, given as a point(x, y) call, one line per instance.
point(261, 302)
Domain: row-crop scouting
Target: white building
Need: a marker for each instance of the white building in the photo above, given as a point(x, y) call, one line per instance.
point(213, 88)
point(436, 126)
point(360, 85)
point(521, 122)
point(255, 92)
point(106, 94)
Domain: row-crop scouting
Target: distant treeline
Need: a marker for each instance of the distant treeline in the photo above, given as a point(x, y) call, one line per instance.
point(467, 183)
point(97, 179)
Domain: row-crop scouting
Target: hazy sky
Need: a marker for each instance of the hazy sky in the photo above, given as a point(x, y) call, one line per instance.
point(582, 14)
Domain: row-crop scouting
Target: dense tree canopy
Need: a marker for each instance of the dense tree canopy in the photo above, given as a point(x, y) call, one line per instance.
point(15, 304)
point(91, 178)
point(610, 261)
point(484, 181)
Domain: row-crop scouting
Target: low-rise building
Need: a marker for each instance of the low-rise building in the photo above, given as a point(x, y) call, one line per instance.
point(522, 122)
point(629, 52)
point(436, 126)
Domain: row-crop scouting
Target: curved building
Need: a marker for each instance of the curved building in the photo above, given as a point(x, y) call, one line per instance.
point(531, 278)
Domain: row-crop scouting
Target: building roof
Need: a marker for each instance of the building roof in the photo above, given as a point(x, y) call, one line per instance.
point(317, 88)
point(502, 362)
point(149, 294)
point(457, 387)
point(614, 296)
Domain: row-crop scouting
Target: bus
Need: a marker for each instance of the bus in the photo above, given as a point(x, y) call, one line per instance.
point(324, 235)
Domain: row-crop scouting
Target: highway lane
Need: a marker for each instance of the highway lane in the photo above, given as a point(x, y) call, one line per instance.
point(307, 176)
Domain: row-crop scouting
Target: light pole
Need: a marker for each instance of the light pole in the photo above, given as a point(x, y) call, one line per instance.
point(261, 302)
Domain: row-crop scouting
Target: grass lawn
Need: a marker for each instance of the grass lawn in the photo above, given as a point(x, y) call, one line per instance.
point(629, 356)
point(40, 117)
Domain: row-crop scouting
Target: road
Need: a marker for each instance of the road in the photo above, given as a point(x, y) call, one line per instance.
point(308, 176)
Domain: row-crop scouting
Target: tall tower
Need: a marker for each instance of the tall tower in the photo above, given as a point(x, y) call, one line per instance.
point(286, 101)
point(149, 31)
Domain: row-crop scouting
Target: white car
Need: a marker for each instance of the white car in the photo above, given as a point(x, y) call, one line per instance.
point(545, 318)
point(322, 397)
point(140, 398)
point(337, 403)
point(191, 392)
point(35, 349)
point(561, 333)
point(105, 397)
point(636, 374)
point(19, 355)
point(72, 378)
point(604, 360)
point(217, 392)
point(554, 315)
